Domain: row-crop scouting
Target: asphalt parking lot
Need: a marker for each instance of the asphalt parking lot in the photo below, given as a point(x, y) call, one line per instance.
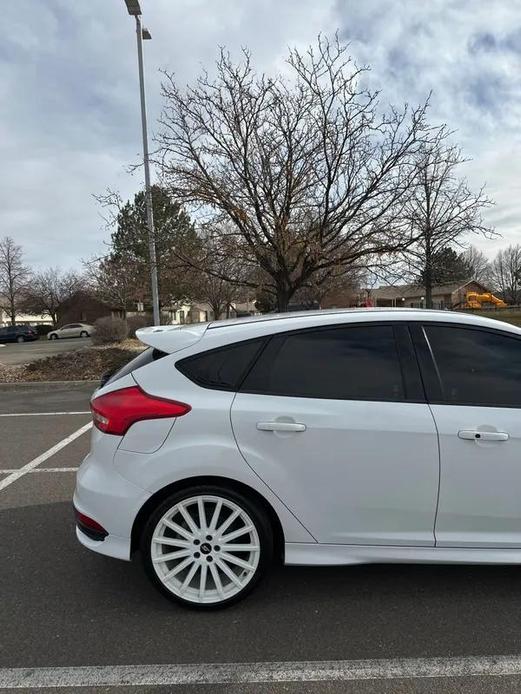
point(13, 354)
point(70, 617)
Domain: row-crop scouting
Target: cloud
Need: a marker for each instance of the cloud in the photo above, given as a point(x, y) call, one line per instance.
point(69, 101)
point(468, 54)
point(69, 109)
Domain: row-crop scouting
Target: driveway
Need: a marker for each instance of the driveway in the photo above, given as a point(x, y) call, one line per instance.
point(13, 354)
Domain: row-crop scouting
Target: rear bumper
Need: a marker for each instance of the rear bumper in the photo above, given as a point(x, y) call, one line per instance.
point(111, 546)
point(112, 501)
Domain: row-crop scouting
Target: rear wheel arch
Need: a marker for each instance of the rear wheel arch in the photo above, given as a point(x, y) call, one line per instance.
point(224, 482)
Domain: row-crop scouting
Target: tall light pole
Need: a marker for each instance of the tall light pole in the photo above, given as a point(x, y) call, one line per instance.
point(141, 33)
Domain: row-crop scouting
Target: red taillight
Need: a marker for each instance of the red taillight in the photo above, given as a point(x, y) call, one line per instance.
point(117, 411)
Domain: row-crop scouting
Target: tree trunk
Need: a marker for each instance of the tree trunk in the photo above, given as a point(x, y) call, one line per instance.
point(12, 311)
point(216, 308)
point(283, 297)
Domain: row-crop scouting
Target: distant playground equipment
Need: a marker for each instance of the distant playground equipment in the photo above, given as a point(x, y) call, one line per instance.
point(485, 300)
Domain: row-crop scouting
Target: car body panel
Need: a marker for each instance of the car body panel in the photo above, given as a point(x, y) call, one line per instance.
point(199, 444)
point(480, 499)
point(347, 480)
point(306, 554)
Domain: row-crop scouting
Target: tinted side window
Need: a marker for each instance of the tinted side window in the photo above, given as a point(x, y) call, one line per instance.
point(222, 368)
point(477, 367)
point(351, 363)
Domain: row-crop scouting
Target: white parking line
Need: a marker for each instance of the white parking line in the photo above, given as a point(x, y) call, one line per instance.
point(41, 469)
point(43, 457)
point(41, 414)
point(250, 673)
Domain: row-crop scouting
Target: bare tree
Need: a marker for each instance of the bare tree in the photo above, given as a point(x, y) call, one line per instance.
point(219, 294)
point(14, 277)
point(308, 170)
point(441, 208)
point(342, 285)
point(479, 266)
point(49, 289)
point(506, 273)
point(117, 282)
point(218, 274)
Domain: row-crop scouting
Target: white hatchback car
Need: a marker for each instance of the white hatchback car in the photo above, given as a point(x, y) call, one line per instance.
point(335, 437)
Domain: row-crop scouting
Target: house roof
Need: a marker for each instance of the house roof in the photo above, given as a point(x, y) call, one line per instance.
point(414, 290)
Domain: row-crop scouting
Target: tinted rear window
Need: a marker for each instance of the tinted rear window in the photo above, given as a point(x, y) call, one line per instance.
point(143, 358)
point(222, 368)
point(345, 363)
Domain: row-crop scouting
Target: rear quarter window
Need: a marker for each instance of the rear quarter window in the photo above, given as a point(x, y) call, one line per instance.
point(143, 358)
point(223, 368)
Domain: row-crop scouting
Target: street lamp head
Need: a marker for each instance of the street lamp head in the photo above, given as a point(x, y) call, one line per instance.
point(133, 7)
point(145, 34)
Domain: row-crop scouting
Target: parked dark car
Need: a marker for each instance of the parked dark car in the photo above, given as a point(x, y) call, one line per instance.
point(18, 333)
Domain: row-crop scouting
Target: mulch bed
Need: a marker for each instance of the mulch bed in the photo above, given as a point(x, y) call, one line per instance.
point(83, 365)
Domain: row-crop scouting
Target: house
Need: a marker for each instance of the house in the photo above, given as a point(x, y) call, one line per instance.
point(24, 319)
point(83, 307)
point(201, 312)
point(444, 296)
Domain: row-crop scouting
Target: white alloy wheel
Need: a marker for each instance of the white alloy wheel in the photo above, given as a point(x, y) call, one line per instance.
point(205, 549)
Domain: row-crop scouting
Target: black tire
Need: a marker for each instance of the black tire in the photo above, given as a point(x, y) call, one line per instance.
point(54, 336)
point(20, 339)
point(84, 333)
point(258, 517)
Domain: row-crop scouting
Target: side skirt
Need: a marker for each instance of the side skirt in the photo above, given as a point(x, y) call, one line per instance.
point(308, 554)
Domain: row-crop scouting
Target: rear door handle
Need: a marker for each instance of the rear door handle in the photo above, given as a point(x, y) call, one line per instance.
point(280, 426)
point(477, 435)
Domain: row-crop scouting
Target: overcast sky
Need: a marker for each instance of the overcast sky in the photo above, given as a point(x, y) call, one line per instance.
point(69, 109)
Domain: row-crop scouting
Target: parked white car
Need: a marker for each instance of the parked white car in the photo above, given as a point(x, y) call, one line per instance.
point(71, 330)
point(337, 437)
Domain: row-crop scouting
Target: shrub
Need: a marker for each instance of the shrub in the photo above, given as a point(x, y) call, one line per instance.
point(109, 330)
point(138, 321)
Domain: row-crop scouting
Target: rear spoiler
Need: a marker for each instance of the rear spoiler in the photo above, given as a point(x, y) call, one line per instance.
point(171, 338)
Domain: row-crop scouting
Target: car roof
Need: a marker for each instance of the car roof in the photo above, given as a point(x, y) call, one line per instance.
point(347, 315)
point(201, 336)
point(307, 314)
